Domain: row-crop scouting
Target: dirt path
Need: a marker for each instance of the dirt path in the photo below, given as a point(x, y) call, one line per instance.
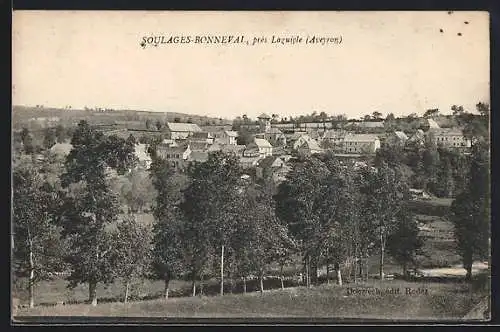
point(454, 271)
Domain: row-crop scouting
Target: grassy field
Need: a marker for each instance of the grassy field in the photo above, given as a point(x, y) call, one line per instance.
point(442, 301)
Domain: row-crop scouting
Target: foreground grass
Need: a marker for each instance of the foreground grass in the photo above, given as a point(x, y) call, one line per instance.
point(442, 301)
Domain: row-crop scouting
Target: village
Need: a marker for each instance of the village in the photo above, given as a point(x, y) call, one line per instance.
point(275, 144)
point(343, 175)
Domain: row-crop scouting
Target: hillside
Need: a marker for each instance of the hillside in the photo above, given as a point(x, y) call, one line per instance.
point(25, 116)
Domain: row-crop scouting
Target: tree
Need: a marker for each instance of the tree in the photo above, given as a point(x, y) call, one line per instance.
point(385, 193)
point(38, 246)
point(210, 209)
point(139, 192)
point(27, 139)
point(49, 138)
point(471, 211)
point(457, 110)
point(430, 113)
point(60, 133)
point(168, 237)
point(376, 115)
point(404, 243)
point(390, 117)
point(244, 137)
point(323, 116)
point(159, 124)
point(477, 126)
point(392, 155)
point(88, 214)
point(259, 237)
point(301, 201)
point(430, 163)
point(131, 254)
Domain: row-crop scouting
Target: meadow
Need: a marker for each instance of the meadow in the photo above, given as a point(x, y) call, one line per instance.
point(448, 301)
point(445, 298)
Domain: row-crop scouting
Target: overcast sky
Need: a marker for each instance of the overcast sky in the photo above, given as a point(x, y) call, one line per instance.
point(395, 62)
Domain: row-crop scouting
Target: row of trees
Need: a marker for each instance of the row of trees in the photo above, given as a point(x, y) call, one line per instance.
point(212, 221)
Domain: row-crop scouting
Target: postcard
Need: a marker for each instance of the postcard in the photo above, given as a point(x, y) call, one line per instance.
point(250, 167)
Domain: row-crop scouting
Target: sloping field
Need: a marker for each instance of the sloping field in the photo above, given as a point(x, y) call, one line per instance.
point(440, 301)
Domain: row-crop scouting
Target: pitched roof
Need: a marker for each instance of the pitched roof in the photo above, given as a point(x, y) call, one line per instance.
point(202, 135)
point(278, 162)
point(267, 161)
point(141, 152)
point(371, 124)
point(62, 149)
point(231, 133)
point(360, 138)
point(199, 156)
point(246, 160)
point(198, 146)
point(334, 133)
point(298, 134)
point(263, 116)
point(401, 135)
point(262, 143)
point(447, 131)
point(183, 127)
point(171, 149)
point(311, 144)
point(432, 123)
point(238, 149)
point(274, 130)
point(169, 142)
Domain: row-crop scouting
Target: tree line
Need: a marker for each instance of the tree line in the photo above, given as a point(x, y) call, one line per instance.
point(212, 222)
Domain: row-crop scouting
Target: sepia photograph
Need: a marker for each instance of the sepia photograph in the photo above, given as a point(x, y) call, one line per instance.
point(321, 166)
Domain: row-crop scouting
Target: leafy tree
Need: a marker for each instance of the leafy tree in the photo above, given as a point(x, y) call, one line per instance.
point(38, 246)
point(430, 164)
point(430, 113)
point(209, 206)
point(60, 133)
point(95, 207)
point(376, 115)
point(139, 191)
point(159, 124)
point(405, 243)
point(471, 211)
point(259, 237)
point(27, 139)
point(244, 137)
point(392, 155)
point(385, 194)
point(131, 140)
point(323, 116)
point(300, 201)
point(390, 117)
point(168, 237)
point(477, 126)
point(132, 242)
point(49, 138)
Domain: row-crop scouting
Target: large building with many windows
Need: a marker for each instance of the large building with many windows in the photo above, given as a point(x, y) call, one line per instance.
point(449, 138)
point(361, 143)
